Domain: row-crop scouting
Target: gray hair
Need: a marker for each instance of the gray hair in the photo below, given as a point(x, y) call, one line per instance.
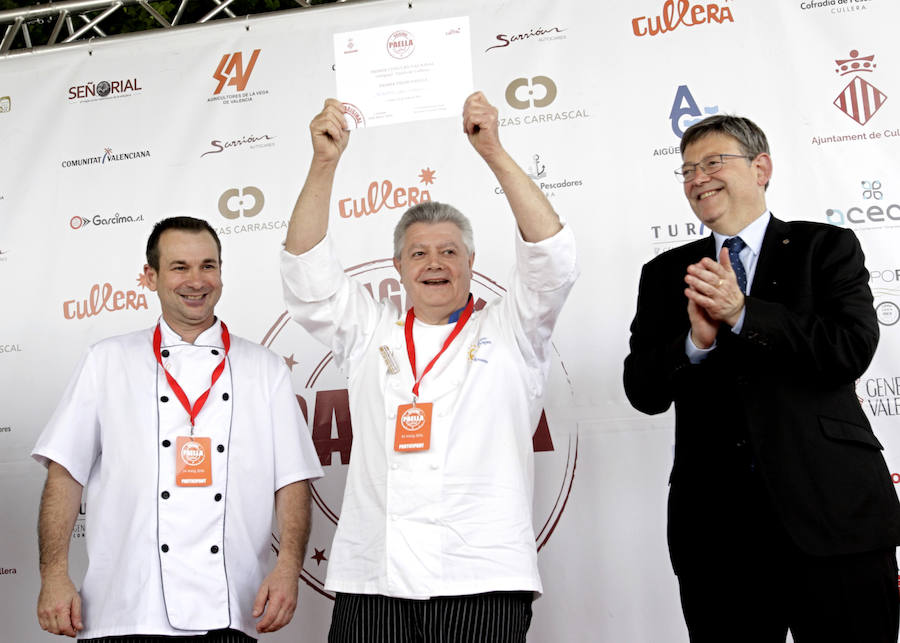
point(750, 138)
point(433, 212)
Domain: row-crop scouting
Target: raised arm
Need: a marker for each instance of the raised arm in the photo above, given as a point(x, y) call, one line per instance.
point(535, 216)
point(59, 605)
point(309, 220)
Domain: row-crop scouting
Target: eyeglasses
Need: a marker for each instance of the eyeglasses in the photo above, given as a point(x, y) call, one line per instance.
point(710, 165)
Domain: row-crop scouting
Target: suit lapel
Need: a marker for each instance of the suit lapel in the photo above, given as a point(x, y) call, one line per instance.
point(772, 257)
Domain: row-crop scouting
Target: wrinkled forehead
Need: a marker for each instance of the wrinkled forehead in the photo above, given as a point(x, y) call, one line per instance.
point(443, 233)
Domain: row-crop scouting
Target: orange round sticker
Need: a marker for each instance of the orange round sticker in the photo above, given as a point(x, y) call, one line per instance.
point(412, 419)
point(192, 453)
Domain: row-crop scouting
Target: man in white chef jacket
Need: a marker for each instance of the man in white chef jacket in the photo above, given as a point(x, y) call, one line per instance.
point(189, 440)
point(435, 540)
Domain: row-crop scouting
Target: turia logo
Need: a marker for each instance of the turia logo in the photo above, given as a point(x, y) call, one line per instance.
point(247, 202)
point(860, 99)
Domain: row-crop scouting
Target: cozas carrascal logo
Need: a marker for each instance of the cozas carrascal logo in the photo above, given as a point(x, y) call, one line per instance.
point(321, 391)
point(860, 99)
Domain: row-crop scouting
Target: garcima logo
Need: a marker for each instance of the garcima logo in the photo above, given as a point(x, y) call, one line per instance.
point(681, 12)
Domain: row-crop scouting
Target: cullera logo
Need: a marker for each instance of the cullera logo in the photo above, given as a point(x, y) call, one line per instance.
point(860, 99)
point(231, 70)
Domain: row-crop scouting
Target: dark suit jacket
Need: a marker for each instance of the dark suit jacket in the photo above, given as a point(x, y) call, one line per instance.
point(778, 397)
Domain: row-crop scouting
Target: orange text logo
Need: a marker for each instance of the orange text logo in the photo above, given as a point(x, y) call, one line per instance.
point(103, 297)
point(679, 13)
point(231, 70)
point(386, 195)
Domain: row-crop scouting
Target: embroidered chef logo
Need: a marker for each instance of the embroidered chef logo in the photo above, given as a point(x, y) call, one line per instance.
point(192, 454)
point(860, 99)
point(321, 391)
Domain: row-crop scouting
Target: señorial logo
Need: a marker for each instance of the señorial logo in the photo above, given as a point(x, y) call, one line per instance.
point(104, 89)
point(217, 146)
point(538, 33)
point(384, 195)
point(860, 99)
point(679, 13)
point(400, 44)
point(77, 222)
point(5, 104)
point(865, 215)
point(520, 93)
point(324, 403)
point(231, 71)
point(106, 158)
point(685, 111)
point(103, 297)
point(248, 202)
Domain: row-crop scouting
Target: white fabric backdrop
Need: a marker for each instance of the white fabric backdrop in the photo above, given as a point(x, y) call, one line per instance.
point(627, 77)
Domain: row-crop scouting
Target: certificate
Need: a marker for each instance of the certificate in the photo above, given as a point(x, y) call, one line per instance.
point(401, 73)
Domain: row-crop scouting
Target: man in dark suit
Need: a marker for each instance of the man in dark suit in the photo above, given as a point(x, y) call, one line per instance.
point(782, 513)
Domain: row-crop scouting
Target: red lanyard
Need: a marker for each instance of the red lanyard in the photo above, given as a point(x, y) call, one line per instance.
point(411, 344)
point(176, 387)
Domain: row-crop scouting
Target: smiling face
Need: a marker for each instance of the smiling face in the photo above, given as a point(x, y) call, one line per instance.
point(188, 282)
point(435, 269)
point(729, 200)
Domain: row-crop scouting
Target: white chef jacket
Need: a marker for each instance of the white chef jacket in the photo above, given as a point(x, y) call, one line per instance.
point(163, 559)
point(456, 519)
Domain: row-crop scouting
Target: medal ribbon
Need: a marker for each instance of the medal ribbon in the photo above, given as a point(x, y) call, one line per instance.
point(192, 411)
point(411, 344)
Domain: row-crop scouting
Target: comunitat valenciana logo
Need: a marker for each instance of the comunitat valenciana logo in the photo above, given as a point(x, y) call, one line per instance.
point(107, 158)
point(871, 212)
point(384, 194)
point(104, 89)
point(677, 13)
point(323, 399)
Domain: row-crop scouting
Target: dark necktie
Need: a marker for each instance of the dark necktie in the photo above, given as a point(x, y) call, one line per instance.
point(735, 245)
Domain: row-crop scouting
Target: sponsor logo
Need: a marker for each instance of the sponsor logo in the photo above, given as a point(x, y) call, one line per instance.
point(400, 44)
point(384, 194)
point(79, 530)
point(247, 202)
point(192, 453)
point(872, 213)
point(234, 70)
point(4, 256)
point(880, 395)
point(5, 429)
point(250, 141)
point(4, 571)
point(103, 298)
point(685, 112)
point(836, 6)
point(10, 348)
point(78, 222)
point(350, 48)
point(5, 104)
point(107, 158)
point(885, 285)
point(538, 34)
point(354, 115)
point(676, 13)
point(860, 99)
point(533, 95)
point(538, 172)
point(104, 90)
point(664, 236)
point(324, 403)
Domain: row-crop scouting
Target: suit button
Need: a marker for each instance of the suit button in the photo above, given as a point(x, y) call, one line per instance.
point(165, 495)
point(214, 549)
point(220, 448)
point(165, 353)
point(164, 548)
point(217, 497)
point(164, 399)
point(166, 443)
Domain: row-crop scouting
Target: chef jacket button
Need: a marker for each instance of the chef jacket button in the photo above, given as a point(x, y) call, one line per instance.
point(220, 448)
point(214, 549)
point(214, 352)
point(217, 497)
point(164, 548)
point(166, 443)
point(165, 353)
point(225, 396)
point(165, 495)
point(164, 398)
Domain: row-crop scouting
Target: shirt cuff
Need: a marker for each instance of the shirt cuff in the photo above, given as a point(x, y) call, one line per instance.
point(696, 355)
point(736, 329)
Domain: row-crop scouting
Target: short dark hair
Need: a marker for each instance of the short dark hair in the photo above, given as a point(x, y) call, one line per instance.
point(433, 212)
point(188, 224)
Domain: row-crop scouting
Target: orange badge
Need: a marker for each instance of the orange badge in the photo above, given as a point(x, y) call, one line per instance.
point(193, 466)
point(413, 432)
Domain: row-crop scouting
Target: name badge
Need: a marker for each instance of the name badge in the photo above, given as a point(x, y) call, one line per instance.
point(413, 432)
point(193, 465)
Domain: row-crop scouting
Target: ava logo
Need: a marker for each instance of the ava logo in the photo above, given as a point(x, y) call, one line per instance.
point(523, 93)
point(324, 403)
point(386, 195)
point(685, 111)
point(400, 44)
point(871, 213)
point(538, 33)
point(679, 13)
point(231, 71)
point(192, 454)
point(5, 104)
point(860, 99)
point(103, 298)
point(248, 201)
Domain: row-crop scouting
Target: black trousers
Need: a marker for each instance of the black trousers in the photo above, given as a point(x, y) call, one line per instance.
point(758, 584)
point(213, 636)
point(495, 617)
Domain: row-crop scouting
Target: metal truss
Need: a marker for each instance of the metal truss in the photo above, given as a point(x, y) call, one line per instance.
point(81, 19)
